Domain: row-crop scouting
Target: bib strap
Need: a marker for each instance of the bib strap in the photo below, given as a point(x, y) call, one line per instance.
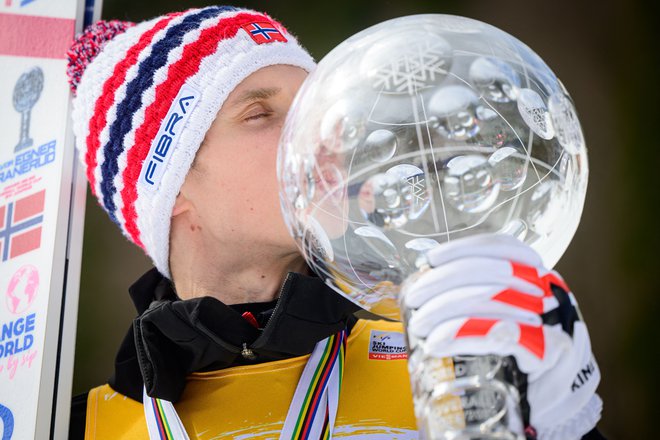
point(313, 409)
point(163, 423)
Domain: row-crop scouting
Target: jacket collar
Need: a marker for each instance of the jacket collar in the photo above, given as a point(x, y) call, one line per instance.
point(172, 338)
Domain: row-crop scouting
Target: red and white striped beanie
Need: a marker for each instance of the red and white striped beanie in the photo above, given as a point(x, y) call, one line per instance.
point(146, 95)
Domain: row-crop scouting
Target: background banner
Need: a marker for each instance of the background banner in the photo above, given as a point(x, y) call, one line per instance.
point(41, 218)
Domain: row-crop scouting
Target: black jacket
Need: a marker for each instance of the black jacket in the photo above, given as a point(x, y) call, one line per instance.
point(171, 338)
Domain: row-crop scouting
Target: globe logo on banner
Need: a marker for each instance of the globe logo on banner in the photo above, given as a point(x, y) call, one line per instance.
point(22, 289)
point(20, 225)
point(7, 419)
point(27, 90)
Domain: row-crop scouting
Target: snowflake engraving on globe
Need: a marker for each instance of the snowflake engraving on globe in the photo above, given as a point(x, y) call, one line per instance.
point(425, 60)
point(421, 130)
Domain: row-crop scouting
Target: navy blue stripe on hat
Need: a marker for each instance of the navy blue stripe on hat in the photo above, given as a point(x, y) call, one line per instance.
point(132, 101)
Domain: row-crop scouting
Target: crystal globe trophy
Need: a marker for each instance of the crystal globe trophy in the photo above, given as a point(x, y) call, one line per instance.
point(413, 133)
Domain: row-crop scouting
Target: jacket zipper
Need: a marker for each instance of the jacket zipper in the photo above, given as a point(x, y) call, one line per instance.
point(279, 299)
point(247, 352)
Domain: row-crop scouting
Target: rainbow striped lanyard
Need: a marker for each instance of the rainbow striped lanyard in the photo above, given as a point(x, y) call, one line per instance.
point(312, 412)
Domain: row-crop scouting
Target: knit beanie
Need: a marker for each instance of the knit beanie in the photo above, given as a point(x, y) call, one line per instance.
point(145, 96)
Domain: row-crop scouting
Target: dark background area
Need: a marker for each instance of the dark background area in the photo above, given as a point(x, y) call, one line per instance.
point(607, 55)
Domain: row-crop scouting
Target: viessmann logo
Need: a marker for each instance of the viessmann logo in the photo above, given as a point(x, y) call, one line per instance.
point(387, 346)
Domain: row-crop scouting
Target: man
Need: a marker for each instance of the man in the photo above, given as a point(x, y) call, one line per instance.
point(177, 120)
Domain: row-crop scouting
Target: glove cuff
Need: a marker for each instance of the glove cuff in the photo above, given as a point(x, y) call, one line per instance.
point(580, 424)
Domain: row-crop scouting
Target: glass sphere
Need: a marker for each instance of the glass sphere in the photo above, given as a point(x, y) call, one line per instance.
point(421, 130)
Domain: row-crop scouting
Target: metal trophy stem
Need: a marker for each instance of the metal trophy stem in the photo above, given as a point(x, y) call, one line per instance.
point(25, 139)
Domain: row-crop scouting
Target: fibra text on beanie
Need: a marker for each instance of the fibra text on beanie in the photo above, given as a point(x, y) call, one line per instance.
point(147, 93)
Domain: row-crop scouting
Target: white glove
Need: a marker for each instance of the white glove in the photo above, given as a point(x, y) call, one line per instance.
point(490, 294)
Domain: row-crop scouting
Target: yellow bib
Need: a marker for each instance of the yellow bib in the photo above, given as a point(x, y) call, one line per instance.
point(251, 402)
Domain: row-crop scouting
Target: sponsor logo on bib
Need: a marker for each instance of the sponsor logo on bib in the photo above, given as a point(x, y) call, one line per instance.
point(387, 346)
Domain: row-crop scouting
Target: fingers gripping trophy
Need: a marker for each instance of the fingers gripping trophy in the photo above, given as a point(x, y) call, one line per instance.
point(410, 141)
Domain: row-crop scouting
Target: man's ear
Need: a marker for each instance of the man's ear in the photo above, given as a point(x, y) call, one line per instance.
point(181, 204)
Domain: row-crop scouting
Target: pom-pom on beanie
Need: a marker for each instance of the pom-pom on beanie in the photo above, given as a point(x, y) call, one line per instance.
point(145, 96)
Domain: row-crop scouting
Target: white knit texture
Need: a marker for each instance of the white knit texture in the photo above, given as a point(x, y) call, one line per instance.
point(91, 85)
point(120, 95)
point(148, 98)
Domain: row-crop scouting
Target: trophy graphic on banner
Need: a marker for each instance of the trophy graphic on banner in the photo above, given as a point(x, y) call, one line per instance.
point(415, 132)
point(27, 90)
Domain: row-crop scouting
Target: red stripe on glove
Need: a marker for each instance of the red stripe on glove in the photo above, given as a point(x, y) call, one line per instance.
point(475, 327)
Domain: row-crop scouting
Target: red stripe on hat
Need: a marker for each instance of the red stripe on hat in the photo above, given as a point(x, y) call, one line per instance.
point(107, 98)
point(532, 339)
point(475, 327)
point(521, 300)
point(38, 37)
point(177, 74)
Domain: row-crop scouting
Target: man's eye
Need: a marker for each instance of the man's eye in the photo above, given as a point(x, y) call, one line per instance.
point(255, 116)
point(255, 112)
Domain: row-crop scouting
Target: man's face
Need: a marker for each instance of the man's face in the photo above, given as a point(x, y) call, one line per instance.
point(233, 183)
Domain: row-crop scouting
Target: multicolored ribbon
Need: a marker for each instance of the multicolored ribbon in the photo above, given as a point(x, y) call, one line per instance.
point(313, 410)
point(163, 423)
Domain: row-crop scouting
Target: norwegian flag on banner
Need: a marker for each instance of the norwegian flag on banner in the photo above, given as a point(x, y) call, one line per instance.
point(20, 225)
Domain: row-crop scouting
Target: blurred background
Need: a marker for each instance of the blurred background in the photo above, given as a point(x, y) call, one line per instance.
point(606, 54)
